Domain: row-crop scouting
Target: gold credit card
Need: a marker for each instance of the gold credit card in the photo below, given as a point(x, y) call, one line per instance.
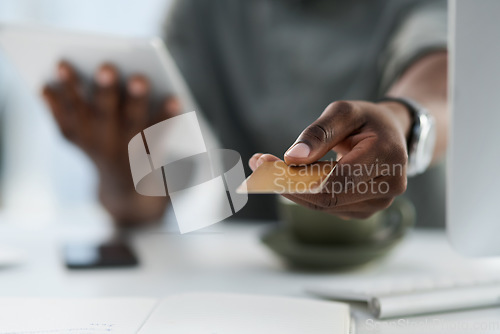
point(276, 177)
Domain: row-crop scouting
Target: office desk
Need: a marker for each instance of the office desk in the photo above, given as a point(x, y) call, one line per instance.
point(227, 257)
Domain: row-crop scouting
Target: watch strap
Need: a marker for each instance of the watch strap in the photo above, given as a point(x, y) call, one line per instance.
point(413, 109)
point(416, 111)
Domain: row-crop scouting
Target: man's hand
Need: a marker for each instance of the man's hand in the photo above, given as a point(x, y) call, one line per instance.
point(100, 118)
point(370, 140)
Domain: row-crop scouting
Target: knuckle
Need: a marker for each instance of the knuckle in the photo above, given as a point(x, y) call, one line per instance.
point(395, 156)
point(326, 201)
point(317, 132)
point(256, 156)
point(342, 108)
point(401, 154)
point(399, 185)
point(386, 148)
point(396, 153)
point(267, 156)
point(350, 182)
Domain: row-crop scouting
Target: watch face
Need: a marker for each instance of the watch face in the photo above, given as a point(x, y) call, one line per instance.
point(427, 142)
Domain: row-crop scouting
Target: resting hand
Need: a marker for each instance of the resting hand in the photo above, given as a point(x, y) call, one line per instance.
point(100, 118)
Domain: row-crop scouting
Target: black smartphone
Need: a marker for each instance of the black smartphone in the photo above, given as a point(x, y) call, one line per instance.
point(110, 254)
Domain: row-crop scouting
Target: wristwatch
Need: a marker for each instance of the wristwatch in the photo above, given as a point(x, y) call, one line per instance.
point(422, 138)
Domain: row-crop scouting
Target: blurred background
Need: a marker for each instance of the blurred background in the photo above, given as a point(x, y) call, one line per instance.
point(32, 150)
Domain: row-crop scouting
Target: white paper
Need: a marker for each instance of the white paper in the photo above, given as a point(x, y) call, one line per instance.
point(242, 314)
point(203, 313)
point(74, 316)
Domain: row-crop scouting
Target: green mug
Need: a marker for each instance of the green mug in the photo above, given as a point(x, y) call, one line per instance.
point(314, 227)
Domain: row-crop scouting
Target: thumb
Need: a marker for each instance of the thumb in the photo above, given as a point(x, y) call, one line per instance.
point(335, 124)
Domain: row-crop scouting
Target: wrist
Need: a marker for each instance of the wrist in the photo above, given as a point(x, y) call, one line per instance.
point(401, 115)
point(421, 138)
point(133, 209)
point(125, 205)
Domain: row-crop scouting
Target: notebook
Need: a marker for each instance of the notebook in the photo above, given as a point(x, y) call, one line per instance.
point(202, 313)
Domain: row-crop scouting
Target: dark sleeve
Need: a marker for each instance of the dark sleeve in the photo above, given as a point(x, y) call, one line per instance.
point(192, 41)
point(423, 30)
point(187, 33)
point(182, 29)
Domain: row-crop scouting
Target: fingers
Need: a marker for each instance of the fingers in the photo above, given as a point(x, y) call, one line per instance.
point(56, 106)
point(253, 161)
point(338, 121)
point(169, 108)
point(359, 165)
point(136, 104)
point(102, 123)
point(371, 158)
point(67, 103)
point(258, 158)
point(78, 110)
point(360, 176)
point(172, 107)
point(107, 105)
point(71, 89)
point(107, 95)
point(335, 196)
point(67, 74)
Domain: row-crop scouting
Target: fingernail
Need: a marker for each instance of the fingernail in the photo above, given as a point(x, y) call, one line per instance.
point(251, 165)
point(172, 106)
point(63, 72)
point(136, 87)
point(104, 77)
point(299, 150)
point(258, 163)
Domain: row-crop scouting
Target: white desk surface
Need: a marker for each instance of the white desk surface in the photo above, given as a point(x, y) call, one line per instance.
point(227, 257)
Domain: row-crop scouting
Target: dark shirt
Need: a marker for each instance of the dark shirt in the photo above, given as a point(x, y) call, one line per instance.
point(262, 70)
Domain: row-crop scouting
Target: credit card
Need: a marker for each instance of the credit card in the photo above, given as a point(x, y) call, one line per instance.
point(276, 177)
